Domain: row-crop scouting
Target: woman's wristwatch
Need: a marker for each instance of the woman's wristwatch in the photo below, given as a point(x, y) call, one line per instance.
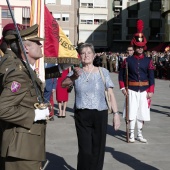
point(116, 113)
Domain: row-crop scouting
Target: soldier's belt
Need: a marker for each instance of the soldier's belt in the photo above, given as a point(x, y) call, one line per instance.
point(144, 83)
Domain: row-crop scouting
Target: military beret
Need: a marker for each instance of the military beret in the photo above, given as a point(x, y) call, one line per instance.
point(11, 27)
point(30, 33)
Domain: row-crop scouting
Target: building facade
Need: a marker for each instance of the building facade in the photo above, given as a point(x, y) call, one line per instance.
point(108, 24)
point(65, 13)
point(20, 10)
point(166, 15)
point(92, 19)
point(123, 23)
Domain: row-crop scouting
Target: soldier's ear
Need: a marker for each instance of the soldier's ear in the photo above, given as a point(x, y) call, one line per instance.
point(26, 48)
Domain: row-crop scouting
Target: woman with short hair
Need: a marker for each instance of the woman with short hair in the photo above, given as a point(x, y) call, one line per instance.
point(91, 110)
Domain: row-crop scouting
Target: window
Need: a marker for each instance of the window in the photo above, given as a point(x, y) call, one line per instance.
point(117, 32)
point(65, 17)
point(99, 19)
point(132, 14)
point(100, 4)
point(6, 13)
point(50, 1)
point(155, 23)
point(154, 34)
point(26, 16)
point(86, 5)
point(117, 12)
point(131, 30)
point(57, 17)
point(131, 22)
point(65, 2)
point(86, 19)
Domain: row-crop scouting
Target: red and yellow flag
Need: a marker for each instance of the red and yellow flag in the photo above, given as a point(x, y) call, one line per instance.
point(57, 45)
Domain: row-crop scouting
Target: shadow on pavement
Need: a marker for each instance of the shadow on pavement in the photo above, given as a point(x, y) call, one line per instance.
point(129, 160)
point(121, 135)
point(57, 162)
point(166, 107)
point(161, 112)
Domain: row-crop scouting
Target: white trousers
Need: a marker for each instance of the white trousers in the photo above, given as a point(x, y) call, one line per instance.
point(138, 106)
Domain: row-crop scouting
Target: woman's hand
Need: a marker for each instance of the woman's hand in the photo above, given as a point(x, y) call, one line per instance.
point(116, 121)
point(77, 71)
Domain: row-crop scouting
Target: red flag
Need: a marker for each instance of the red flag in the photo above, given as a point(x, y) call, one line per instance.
point(51, 45)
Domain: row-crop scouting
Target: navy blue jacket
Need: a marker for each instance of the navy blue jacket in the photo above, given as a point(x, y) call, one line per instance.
point(140, 69)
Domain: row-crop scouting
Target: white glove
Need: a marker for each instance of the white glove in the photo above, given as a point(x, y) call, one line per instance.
point(41, 114)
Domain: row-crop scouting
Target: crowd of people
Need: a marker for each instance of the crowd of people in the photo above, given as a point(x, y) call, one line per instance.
point(113, 60)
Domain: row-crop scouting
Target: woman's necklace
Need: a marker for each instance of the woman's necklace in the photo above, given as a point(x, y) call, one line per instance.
point(88, 75)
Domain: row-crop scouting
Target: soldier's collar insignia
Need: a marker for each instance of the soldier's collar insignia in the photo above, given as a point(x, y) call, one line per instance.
point(15, 86)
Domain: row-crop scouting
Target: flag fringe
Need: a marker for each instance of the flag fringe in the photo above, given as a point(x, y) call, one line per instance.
point(62, 60)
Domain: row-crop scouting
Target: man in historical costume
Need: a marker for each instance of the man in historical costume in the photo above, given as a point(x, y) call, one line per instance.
point(23, 141)
point(140, 84)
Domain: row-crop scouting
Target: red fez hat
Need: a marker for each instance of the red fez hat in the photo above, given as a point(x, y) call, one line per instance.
point(139, 39)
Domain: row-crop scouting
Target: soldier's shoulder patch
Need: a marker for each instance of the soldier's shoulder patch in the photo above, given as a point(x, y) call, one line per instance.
point(15, 86)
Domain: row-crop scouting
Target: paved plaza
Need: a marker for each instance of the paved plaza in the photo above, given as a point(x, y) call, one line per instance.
point(61, 140)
